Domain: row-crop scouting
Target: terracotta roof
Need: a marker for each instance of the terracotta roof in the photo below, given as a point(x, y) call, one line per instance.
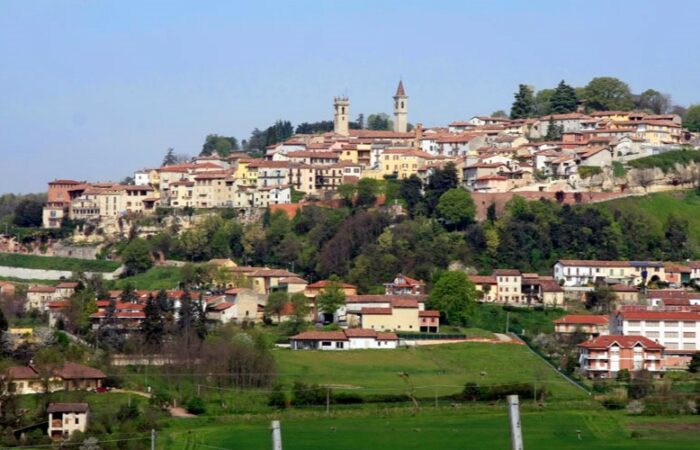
point(272, 273)
point(21, 373)
point(583, 319)
point(42, 289)
point(659, 315)
point(404, 303)
point(429, 313)
point(67, 407)
point(376, 311)
point(386, 336)
point(58, 304)
point(293, 280)
point(506, 273)
point(360, 332)
point(67, 285)
point(222, 306)
point(482, 279)
point(599, 263)
point(604, 342)
point(233, 291)
point(326, 283)
point(380, 298)
point(320, 336)
point(64, 182)
point(491, 178)
point(400, 92)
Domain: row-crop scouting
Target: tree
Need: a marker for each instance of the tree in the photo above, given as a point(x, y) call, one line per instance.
point(360, 121)
point(543, 104)
point(410, 190)
point(379, 121)
point(653, 101)
point(276, 303)
point(643, 177)
point(608, 94)
point(456, 207)
point(439, 182)
point(454, 296)
point(366, 192)
point(563, 99)
point(222, 145)
point(691, 119)
point(153, 325)
point(28, 213)
point(169, 158)
point(331, 297)
point(499, 113)
point(3, 321)
point(524, 104)
point(554, 131)
point(676, 231)
point(694, 365)
point(347, 193)
point(601, 299)
point(136, 257)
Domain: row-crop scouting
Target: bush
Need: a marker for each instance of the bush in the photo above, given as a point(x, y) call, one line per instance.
point(344, 398)
point(308, 394)
point(473, 392)
point(196, 406)
point(127, 412)
point(614, 403)
point(278, 398)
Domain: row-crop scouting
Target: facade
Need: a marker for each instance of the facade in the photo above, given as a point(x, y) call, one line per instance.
point(349, 339)
point(605, 356)
point(584, 323)
point(68, 377)
point(588, 272)
point(403, 285)
point(341, 123)
point(677, 331)
point(67, 418)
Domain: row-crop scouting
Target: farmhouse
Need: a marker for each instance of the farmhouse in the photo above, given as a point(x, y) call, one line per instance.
point(584, 323)
point(350, 339)
point(67, 418)
point(68, 377)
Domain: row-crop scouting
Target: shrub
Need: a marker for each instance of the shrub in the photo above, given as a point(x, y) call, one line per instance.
point(614, 403)
point(278, 398)
point(344, 398)
point(196, 406)
point(308, 394)
point(127, 412)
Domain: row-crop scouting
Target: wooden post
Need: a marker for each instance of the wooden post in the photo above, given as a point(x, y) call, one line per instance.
point(516, 432)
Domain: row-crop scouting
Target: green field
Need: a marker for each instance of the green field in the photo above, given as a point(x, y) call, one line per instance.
point(443, 429)
point(434, 369)
point(657, 207)
point(57, 263)
point(155, 278)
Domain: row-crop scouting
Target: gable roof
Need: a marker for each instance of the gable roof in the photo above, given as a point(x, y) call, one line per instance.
point(67, 407)
point(604, 342)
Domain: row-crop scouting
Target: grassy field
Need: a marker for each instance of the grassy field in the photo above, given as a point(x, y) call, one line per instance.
point(154, 278)
point(658, 206)
point(443, 429)
point(441, 369)
point(57, 263)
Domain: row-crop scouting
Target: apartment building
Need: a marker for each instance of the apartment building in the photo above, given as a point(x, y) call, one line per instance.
point(605, 356)
point(587, 272)
point(677, 331)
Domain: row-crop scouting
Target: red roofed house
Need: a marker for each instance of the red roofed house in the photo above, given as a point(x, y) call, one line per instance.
point(67, 418)
point(68, 377)
point(605, 356)
point(583, 323)
point(349, 339)
point(38, 297)
point(402, 314)
point(236, 305)
point(403, 285)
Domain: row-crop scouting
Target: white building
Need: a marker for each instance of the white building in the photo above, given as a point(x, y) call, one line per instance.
point(677, 331)
point(349, 339)
point(67, 418)
point(575, 272)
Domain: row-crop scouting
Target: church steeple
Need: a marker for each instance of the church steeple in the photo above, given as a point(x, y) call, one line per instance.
point(400, 109)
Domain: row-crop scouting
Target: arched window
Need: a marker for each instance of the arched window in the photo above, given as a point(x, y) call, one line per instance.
point(342, 110)
point(401, 105)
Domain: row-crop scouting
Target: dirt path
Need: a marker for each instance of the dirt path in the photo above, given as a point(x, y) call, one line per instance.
point(176, 411)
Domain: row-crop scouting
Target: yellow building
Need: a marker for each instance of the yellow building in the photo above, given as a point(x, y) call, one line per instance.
point(403, 162)
point(403, 315)
point(247, 172)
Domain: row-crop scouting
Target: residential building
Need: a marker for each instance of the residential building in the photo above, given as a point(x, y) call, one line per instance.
point(605, 356)
point(588, 272)
point(403, 285)
point(38, 297)
point(593, 325)
point(349, 339)
point(509, 282)
point(67, 418)
point(68, 377)
point(677, 331)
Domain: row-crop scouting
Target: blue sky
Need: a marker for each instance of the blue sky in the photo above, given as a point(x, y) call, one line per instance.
point(92, 90)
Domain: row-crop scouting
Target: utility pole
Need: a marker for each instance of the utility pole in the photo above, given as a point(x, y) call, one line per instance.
point(153, 439)
point(276, 435)
point(516, 432)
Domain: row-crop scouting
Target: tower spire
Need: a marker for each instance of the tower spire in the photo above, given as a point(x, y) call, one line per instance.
point(400, 109)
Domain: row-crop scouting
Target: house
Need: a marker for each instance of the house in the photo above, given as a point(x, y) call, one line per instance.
point(293, 284)
point(429, 321)
point(237, 305)
point(577, 273)
point(313, 289)
point(67, 418)
point(402, 314)
point(605, 356)
point(541, 290)
point(677, 331)
point(403, 285)
point(349, 339)
point(68, 377)
point(694, 270)
point(487, 285)
point(582, 323)
point(38, 297)
point(7, 289)
point(677, 274)
point(625, 293)
point(509, 282)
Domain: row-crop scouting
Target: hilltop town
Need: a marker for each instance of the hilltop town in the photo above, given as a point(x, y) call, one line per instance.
point(349, 271)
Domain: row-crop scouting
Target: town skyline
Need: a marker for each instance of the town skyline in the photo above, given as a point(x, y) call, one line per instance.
point(115, 106)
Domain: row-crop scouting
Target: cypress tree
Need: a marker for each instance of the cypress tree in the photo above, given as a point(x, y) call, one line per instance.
point(563, 100)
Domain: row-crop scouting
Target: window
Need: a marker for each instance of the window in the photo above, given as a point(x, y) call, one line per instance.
point(671, 334)
point(689, 334)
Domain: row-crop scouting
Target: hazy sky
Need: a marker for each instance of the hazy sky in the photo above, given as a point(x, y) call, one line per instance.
point(92, 90)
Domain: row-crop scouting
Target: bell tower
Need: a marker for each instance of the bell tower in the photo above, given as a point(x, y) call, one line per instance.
point(400, 109)
point(341, 114)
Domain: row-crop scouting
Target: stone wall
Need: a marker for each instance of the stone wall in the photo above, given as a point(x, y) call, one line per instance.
point(44, 274)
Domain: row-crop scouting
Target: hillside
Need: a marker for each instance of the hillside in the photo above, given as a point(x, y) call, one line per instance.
point(57, 263)
point(657, 207)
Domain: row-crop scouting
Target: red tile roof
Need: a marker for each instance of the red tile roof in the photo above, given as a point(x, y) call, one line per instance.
point(325, 283)
point(404, 303)
point(506, 273)
point(67, 285)
point(429, 313)
point(380, 298)
point(659, 315)
point(67, 407)
point(482, 279)
point(583, 319)
point(376, 311)
point(71, 371)
point(222, 306)
point(42, 289)
point(320, 336)
point(604, 342)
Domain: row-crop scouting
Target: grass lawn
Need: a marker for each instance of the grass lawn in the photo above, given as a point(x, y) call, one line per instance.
point(57, 263)
point(658, 206)
point(27, 281)
point(436, 368)
point(163, 277)
point(442, 429)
